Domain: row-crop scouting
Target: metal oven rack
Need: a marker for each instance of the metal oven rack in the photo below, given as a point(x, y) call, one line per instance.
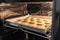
point(27, 29)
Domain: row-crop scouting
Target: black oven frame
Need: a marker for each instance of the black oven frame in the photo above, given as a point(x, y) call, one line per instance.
point(56, 20)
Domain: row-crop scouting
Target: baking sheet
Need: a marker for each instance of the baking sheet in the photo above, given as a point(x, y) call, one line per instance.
point(13, 20)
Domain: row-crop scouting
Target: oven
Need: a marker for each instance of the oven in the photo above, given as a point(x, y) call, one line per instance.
point(37, 20)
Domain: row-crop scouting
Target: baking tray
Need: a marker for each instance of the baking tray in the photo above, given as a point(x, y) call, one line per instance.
point(25, 28)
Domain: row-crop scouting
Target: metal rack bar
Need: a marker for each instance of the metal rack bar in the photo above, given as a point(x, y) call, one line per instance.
point(27, 31)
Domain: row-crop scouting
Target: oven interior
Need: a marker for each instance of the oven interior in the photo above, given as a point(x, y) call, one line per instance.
point(33, 20)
